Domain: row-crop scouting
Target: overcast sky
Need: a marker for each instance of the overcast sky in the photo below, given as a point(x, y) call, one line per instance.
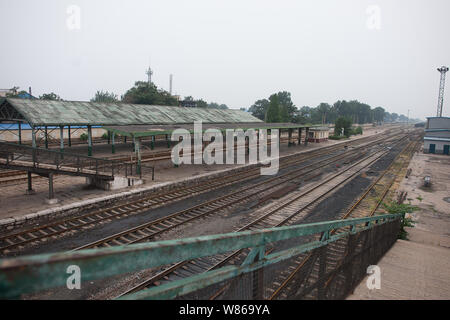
point(384, 53)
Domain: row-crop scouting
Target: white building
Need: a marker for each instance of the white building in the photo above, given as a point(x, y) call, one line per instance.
point(318, 134)
point(437, 135)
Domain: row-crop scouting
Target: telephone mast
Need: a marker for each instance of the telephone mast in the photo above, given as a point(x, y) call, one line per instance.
point(442, 70)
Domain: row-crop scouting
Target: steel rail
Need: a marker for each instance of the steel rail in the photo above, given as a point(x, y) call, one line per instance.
point(301, 261)
point(156, 227)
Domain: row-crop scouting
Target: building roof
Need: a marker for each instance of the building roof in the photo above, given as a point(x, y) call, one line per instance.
point(438, 117)
point(54, 113)
point(320, 128)
point(436, 139)
point(152, 130)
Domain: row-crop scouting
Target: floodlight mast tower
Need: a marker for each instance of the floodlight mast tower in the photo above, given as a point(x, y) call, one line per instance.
point(149, 73)
point(442, 70)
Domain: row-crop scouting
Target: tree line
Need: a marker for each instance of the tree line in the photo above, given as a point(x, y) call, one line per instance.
point(280, 108)
point(141, 93)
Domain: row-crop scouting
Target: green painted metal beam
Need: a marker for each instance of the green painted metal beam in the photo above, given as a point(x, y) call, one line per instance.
point(35, 273)
point(149, 133)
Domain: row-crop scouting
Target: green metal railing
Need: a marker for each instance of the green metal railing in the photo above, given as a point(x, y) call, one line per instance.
point(35, 158)
point(31, 274)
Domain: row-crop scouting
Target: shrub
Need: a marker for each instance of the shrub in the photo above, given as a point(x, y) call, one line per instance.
point(358, 130)
point(105, 136)
point(407, 221)
point(83, 137)
point(336, 137)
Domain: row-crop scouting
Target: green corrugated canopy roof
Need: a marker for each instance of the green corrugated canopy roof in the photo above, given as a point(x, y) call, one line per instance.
point(54, 113)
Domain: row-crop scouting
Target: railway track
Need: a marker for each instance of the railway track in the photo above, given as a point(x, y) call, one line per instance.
point(366, 205)
point(58, 228)
point(280, 214)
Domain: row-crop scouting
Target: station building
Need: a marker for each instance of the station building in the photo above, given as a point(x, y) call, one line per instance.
point(318, 134)
point(437, 135)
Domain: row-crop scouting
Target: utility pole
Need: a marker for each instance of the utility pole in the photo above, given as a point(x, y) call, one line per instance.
point(171, 80)
point(442, 70)
point(407, 123)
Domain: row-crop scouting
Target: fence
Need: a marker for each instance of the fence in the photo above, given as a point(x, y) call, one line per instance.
point(336, 255)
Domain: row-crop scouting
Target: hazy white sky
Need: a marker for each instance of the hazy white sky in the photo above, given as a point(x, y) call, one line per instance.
point(233, 52)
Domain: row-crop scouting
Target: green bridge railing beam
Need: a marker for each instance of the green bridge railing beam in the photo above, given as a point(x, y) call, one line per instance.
point(36, 273)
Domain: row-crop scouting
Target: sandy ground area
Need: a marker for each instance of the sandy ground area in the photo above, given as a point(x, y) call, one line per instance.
point(419, 268)
point(15, 203)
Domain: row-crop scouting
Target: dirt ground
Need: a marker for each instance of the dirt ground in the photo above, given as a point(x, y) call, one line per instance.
point(68, 190)
point(419, 268)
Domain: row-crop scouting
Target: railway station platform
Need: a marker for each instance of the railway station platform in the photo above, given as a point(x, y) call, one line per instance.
point(419, 269)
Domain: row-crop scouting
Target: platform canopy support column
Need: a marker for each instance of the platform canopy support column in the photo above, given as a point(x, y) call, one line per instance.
point(51, 196)
point(152, 143)
point(138, 151)
point(33, 137)
point(61, 138)
point(289, 137)
point(306, 136)
point(30, 184)
point(89, 141)
point(113, 143)
point(168, 141)
point(299, 136)
point(70, 139)
point(20, 132)
point(46, 137)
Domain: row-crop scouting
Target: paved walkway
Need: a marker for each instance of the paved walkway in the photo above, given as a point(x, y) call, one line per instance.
point(410, 271)
point(420, 268)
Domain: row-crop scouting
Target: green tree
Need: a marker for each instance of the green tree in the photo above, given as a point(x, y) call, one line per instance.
point(343, 123)
point(105, 96)
point(378, 114)
point(273, 111)
point(324, 109)
point(287, 107)
point(259, 109)
point(147, 93)
point(214, 105)
point(201, 103)
point(50, 96)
